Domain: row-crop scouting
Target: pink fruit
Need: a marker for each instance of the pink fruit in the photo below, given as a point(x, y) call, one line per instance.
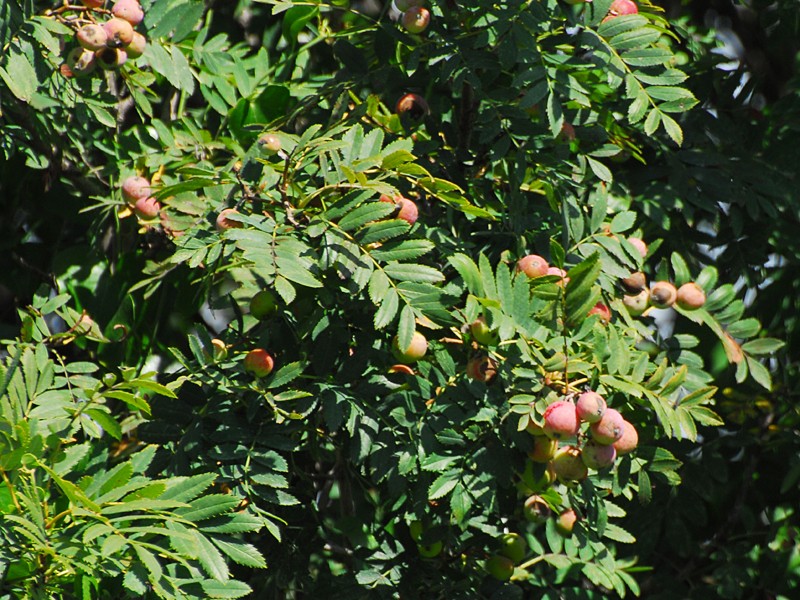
point(129, 10)
point(407, 210)
point(621, 7)
point(602, 311)
point(590, 407)
point(567, 133)
point(663, 294)
point(146, 208)
point(609, 428)
point(416, 19)
point(629, 440)
point(640, 246)
point(223, 222)
point(690, 296)
point(596, 456)
point(560, 420)
point(536, 509)
point(110, 58)
point(566, 522)
point(92, 37)
point(543, 449)
point(560, 273)
point(134, 188)
point(136, 48)
point(119, 32)
point(532, 265)
point(568, 464)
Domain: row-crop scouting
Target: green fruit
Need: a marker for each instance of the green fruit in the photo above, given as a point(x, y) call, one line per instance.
point(536, 509)
point(482, 333)
point(568, 465)
point(513, 546)
point(416, 529)
point(430, 550)
point(500, 567)
point(263, 304)
point(416, 349)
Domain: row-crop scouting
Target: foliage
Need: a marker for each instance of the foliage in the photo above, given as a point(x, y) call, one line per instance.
point(546, 128)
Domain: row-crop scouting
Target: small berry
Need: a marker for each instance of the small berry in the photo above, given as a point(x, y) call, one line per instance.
point(259, 362)
point(415, 351)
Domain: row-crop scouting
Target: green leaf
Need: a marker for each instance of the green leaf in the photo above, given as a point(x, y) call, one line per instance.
point(618, 534)
point(406, 327)
point(365, 213)
point(208, 506)
point(212, 560)
point(443, 485)
point(415, 273)
point(762, 346)
point(19, 75)
point(185, 489)
point(286, 373)
point(388, 309)
point(469, 272)
point(759, 372)
point(241, 553)
point(226, 589)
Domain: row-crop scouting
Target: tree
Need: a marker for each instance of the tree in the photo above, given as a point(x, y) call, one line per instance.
point(375, 189)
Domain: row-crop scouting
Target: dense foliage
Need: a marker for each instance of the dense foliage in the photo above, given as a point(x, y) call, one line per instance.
point(266, 331)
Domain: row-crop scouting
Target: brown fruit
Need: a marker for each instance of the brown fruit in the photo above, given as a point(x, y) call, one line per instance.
point(92, 37)
point(629, 440)
point(481, 368)
point(634, 283)
point(663, 294)
point(223, 222)
point(269, 143)
point(81, 62)
point(110, 58)
point(536, 509)
point(690, 296)
point(414, 105)
point(406, 209)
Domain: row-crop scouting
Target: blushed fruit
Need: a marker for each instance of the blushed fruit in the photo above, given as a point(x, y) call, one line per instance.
point(500, 567)
point(690, 296)
point(219, 349)
point(560, 420)
point(482, 333)
point(406, 209)
point(602, 311)
point(565, 522)
point(609, 428)
point(663, 294)
point(119, 32)
point(135, 187)
point(621, 7)
point(414, 105)
point(543, 449)
point(416, 19)
point(264, 304)
point(568, 464)
point(430, 550)
point(596, 456)
point(222, 221)
point(92, 37)
point(481, 368)
point(259, 362)
point(536, 509)
point(269, 143)
point(111, 58)
point(513, 546)
point(415, 351)
point(136, 48)
point(634, 283)
point(81, 62)
point(560, 273)
point(146, 208)
point(532, 265)
point(130, 10)
point(637, 304)
point(629, 440)
point(640, 245)
point(590, 407)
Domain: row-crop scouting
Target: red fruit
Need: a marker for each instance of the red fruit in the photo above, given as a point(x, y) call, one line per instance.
point(663, 294)
point(637, 304)
point(560, 420)
point(135, 187)
point(639, 245)
point(130, 10)
point(532, 265)
point(543, 449)
point(119, 32)
point(602, 311)
point(110, 58)
point(560, 273)
point(223, 222)
point(407, 210)
point(629, 440)
point(146, 208)
point(481, 368)
point(566, 522)
point(609, 428)
point(416, 19)
point(136, 48)
point(596, 456)
point(690, 296)
point(621, 7)
point(414, 105)
point(536, 509)
point(92, 37)
point(259, 362)
point(590, 407)
point(568, 464)
point(416, 349)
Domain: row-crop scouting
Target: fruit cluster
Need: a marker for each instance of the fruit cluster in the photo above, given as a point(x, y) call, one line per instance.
point(414, 17)
point(106, 38)
point(136, 192)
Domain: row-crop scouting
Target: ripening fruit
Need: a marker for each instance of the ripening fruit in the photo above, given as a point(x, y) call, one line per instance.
point(568, 464)
point(81, 62)
point(663, 294)
point(416, 349)
point(621, 7)
point(259, 362)
point(135, 187)
point(146, 208)
point(92, 37)
point(414, 105)
point(119, 32)
point(536, 509)
point(136, 48)
point(639, 245)
point(560, 273)
point(596, 456)
point(219, 349)
point(609, 428)
point(629, 440)
point(430, 550)
point(130, 10)
point(406, 209)
point(481, 368)
point(634, 283)
point(565, 522)
point(263, 304)
point(543, 449)
point(590, 407)
point(482, 333)
point(602, 311)
point(637, 304)
point(532, 265)
point(269, 143)
point(690, 296)
point(416, 19)
point(111, 58)
point(560, 420)
point(500, 567)
point(513, 546)
point(223, 222)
